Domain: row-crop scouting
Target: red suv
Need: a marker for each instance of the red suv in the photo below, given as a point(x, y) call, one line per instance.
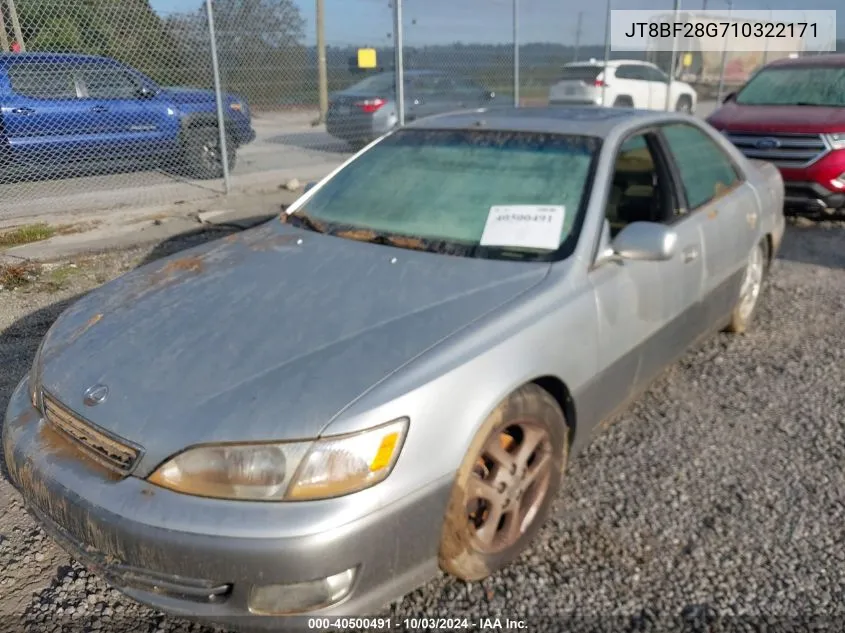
point(792, 113)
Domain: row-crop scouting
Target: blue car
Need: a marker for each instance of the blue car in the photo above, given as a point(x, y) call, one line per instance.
point(68, 111)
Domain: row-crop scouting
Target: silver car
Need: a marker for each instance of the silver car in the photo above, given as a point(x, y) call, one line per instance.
point(315, 415)
point(366, 110)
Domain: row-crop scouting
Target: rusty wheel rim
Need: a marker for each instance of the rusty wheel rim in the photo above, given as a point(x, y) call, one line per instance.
point(508, 485)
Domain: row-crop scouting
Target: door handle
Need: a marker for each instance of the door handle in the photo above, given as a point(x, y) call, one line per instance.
point(24, 111)
point(99, 108)
point(689, 254)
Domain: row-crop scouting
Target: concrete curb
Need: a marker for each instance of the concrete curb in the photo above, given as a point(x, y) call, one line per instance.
point(146, 227)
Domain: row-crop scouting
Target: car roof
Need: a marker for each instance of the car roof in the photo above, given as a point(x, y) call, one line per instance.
point(833, 60)
point(611, 63)
point(7, 59)
point(575, 120)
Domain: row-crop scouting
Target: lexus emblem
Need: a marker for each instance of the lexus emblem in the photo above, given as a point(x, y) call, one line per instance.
point(95, 395)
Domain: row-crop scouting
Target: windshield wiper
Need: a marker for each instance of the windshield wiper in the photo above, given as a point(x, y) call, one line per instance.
point(304, 220)
point(407, 242)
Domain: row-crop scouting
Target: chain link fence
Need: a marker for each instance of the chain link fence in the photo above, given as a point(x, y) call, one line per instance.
point(114, 103)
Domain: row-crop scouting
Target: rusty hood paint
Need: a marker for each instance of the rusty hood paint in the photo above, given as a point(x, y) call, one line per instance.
point(266, 335)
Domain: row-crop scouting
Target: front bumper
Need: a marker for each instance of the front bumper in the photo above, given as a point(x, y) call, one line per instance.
point(810, 197)
point(119, 529)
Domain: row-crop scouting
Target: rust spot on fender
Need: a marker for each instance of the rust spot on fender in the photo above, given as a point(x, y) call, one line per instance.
point(188, 264)
point(169, 273)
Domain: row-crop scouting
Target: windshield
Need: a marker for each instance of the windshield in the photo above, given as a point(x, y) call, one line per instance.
point(383, 82)
point(472, 193)
point(582, 73)
point(820, 86)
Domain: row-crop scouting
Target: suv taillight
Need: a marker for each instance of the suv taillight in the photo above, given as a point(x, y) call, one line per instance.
point(599, 83)
point(370, 105)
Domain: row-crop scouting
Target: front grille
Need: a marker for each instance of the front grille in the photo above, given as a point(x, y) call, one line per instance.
point(794, 151)
point(93, 442)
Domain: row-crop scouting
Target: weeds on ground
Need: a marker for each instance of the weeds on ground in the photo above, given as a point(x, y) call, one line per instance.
point(59, 278)
point(13, 276)
point(26, 235)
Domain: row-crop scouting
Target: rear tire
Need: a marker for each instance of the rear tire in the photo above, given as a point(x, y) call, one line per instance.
point(202, 156)
point(623, 102)
point(505, 486)
point(684, 104)
point(751, 289)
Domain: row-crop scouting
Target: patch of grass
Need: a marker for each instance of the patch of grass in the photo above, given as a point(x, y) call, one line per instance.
point(13, 276)
point(58, 278)
point(26, 235)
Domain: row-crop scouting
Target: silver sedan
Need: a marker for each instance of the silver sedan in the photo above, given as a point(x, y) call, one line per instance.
point(315, 415)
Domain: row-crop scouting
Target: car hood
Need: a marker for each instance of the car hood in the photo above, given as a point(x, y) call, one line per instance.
point(774, 119)
point(261, 337)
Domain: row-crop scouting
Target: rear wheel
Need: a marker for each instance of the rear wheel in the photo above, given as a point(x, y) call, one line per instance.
point(505, 486)
point(684, 104)
point(752, 286)
point(203, 155)
point(623, 102)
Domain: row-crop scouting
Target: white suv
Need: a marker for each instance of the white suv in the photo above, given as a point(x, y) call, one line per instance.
point(629, 84)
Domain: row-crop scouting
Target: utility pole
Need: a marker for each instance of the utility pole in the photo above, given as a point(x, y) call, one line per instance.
point(578, 36)
point(16, 25)
point(322, 72)
point(516, 53)
point(4, 37)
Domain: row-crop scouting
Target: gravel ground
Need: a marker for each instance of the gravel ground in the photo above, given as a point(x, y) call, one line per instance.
point(716, 503)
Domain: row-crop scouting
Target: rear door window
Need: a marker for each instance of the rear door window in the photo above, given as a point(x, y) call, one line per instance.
point(630, 72)
point(43, 81)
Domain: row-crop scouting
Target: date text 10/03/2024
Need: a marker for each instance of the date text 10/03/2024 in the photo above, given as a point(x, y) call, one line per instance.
point(416, 624)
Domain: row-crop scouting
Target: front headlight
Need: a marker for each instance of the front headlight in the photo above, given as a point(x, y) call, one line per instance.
point(836, 140)
point(328, 467)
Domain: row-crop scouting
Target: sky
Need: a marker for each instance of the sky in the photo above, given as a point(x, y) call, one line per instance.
point(370, 22)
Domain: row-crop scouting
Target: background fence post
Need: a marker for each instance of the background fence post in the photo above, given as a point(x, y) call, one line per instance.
point(322, 71)
point(606, 53)
point(721, 88)
point(16, 25)
point(4, 39)
point(218, 90)
point(399, 71)
point(516, 53)
point(673, 59)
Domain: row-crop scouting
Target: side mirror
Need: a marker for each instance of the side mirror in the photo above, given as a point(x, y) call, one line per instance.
point(730, 97)
point(646, 242)
point(309, 186)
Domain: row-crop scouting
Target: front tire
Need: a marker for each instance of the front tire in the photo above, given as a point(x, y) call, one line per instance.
point(203, 158)
point(752, 287)
point(505, 486)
